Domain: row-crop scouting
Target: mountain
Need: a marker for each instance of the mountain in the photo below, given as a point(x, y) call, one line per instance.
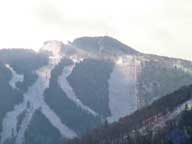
point(167, 120)
point(106, 44)
point(66, 90)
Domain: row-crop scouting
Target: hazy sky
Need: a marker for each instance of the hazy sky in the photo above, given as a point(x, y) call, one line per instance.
point(162, 27)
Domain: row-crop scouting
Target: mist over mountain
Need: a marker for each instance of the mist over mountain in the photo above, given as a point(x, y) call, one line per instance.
point(64, 90)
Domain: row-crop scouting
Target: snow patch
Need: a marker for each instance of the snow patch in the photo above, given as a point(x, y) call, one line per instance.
point(183, 68)
point(172, 115)
point(15, 77)
point(179, 109)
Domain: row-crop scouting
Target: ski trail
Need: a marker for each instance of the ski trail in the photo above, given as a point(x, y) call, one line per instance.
point(15, 77)
point(56, 122)
point(9, 124)
point(122, 89)
point(179, 109)
point(34, 97)
point(64, 84)
point(21, 134)
point(161, 121)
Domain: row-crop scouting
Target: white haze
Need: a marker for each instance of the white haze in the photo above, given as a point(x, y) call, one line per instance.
point(161, 27)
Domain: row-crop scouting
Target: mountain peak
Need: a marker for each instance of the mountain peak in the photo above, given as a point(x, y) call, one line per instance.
point(104, 44)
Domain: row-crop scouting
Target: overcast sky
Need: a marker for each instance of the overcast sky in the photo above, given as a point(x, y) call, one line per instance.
point(161, 27)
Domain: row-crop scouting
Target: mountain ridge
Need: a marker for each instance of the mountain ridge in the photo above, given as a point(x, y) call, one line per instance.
point(142, 121)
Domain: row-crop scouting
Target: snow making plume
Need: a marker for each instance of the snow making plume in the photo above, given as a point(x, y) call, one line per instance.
point(53, 47)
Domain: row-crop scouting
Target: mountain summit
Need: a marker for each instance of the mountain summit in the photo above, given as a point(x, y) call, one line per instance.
point(103, 44)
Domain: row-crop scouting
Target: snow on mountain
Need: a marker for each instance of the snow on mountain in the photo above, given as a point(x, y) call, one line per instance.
point(170, 116)
point(10, 123)
point(33, 100)
point(137, 79)
point(15, 77)
point(123, 99)
point(149, 124)
point(183, 68)
point(106, 80)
